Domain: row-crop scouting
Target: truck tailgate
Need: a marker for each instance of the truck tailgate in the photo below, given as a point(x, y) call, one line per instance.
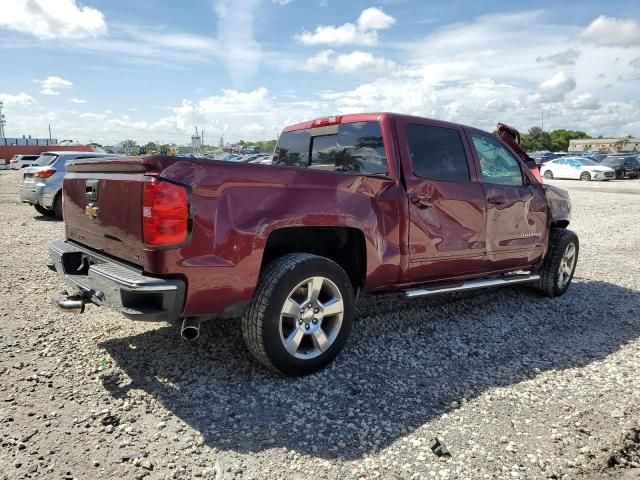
point(103, 205)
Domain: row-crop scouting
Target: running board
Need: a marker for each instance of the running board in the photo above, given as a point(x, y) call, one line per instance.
point(470, 285)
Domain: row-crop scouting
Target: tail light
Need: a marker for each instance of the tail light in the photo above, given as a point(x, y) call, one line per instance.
point(44, 173)
point(165, 213)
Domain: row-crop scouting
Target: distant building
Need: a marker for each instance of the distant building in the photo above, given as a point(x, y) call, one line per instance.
point(27, 140)
point(605, 145)
point(196, 142)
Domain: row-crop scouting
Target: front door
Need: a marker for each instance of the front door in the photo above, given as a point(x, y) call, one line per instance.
point(446, 203)
point(516, 222)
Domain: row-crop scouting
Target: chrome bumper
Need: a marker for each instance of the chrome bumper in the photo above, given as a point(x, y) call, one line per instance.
point(98, 279)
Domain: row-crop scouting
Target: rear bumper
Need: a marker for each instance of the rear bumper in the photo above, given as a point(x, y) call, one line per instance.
point(39, 194)
point(103, 281)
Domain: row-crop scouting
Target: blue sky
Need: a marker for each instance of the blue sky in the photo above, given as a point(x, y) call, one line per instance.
point(106, 70)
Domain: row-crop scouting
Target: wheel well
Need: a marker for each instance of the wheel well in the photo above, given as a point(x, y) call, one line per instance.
point(343, 245)
point(560, 224)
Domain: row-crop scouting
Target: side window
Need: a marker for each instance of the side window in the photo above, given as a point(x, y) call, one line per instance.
point(497, 164)
point(575, 164)
point(355, 148)
point(292, 149)
point(437, 153)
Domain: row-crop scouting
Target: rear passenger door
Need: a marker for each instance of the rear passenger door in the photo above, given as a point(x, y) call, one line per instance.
point(446, 203)
point(516, 206)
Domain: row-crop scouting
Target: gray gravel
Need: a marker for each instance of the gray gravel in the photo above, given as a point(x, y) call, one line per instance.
point(514, 385)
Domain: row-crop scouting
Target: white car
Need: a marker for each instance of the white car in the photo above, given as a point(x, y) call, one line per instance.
point(21, 161)
point(576, 168)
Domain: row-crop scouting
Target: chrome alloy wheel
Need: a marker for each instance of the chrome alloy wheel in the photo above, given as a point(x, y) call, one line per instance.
point(311, 318)
point(567, 264)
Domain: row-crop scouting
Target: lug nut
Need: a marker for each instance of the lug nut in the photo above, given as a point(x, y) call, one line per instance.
point(300, 322)
point(309, 305)
point(316, 310)
point(315, 320)
point(307, 326)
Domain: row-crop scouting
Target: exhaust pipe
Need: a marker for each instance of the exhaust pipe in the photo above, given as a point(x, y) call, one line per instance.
point(73, 303)
point(190, 328)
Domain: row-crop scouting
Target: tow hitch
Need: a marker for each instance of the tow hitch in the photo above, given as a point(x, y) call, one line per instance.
point(73, 303)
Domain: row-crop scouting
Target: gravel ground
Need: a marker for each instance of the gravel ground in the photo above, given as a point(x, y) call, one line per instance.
point(515, 385)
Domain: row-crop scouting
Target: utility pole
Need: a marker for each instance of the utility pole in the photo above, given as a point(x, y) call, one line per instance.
point(2, 121)
point(542, 114)
point(49, 132)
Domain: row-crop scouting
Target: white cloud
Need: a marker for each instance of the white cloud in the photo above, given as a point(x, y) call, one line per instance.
point(49, 19)
point(20, 99)
point(282, 2)
point(237, 45)
point(611, 31)
point(363, 32)
point(554, 89)
point(567, 57)
point(354, 62)
point(635, 63)
point(77, 100)
point(53, 84)
point(585, 101)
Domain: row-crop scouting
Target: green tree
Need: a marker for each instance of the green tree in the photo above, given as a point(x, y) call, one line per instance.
point(560, 139)
point(535, 140)
point(151, 147)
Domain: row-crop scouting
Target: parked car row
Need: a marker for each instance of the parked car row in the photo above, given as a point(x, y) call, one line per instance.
point(262, 158)
point(588, 165)
point(42, 181)
point(22, 161)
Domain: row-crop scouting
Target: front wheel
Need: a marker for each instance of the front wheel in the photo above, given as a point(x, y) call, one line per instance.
point(585, 177)
point(301, 314)
point(559, 264)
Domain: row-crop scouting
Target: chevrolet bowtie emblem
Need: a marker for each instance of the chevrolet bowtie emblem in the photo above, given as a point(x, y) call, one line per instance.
point(91, 211)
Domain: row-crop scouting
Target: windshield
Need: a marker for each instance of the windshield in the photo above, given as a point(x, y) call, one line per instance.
point(45, 160)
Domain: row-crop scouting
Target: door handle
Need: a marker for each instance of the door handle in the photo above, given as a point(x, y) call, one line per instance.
point(496, 200)
point(421, 200)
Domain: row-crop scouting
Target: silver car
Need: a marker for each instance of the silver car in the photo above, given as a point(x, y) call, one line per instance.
point(42, 182)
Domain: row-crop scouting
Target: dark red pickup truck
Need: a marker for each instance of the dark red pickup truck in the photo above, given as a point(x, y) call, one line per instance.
point(372, 202)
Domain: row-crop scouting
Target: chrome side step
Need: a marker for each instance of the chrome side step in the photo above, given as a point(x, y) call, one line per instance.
point(470, 285)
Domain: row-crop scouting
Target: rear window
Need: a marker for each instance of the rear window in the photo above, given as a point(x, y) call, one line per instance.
point(353, 148)
point(293, 149)
point(437, 153)
point(45, 160)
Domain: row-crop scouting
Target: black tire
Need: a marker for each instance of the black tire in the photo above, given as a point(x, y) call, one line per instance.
point(620, 175)
point(549, 283)
point(43, 211)
point(548, 175)
point(261, 321)
point(585, 177)
point(57, 206)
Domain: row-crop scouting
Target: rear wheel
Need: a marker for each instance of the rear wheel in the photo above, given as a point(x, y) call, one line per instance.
point(548, 175)
point(43, 211)
point(57, 206)
point(585, 177)
point(301, 314)
point(560, 262)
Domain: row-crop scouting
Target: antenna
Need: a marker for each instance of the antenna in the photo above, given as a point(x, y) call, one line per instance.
point(3, 122)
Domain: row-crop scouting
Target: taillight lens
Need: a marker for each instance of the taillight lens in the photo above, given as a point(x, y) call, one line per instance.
point(44, 173)
point(165, 213)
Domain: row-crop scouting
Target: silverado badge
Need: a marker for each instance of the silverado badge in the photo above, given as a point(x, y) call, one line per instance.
point(91, 211)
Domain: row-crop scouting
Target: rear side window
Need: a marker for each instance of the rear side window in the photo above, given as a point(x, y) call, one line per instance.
point(355, 148)
point(293, 149)
point(437, 153)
